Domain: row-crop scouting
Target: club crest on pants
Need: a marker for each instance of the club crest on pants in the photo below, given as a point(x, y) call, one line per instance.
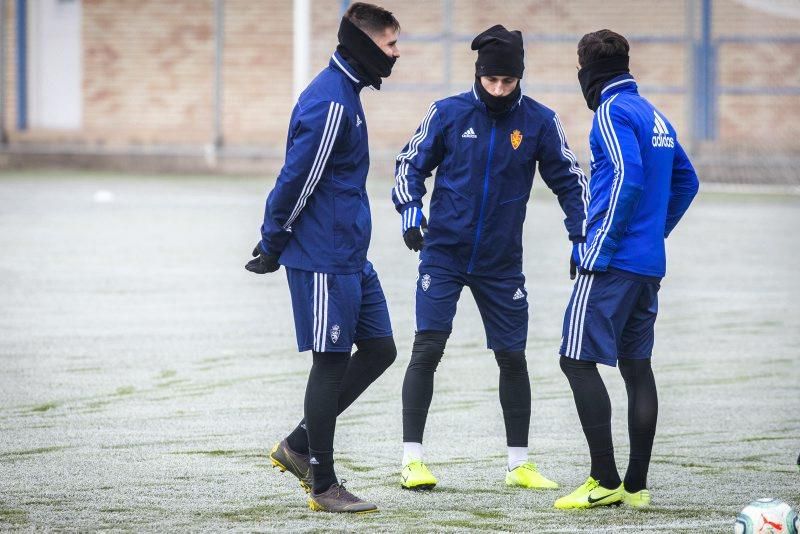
point(335, 331)
point(426, 282)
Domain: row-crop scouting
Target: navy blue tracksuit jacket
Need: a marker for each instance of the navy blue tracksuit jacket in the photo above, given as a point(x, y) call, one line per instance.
point(485, 170)
point(317, 217)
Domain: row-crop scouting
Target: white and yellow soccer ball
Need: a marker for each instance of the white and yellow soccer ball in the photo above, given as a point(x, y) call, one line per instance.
point(767, 516)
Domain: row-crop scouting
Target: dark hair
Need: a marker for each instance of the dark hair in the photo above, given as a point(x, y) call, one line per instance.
point(371, 19)
point(601, 44)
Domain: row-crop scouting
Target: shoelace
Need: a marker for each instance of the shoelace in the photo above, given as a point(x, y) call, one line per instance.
point(342, 493)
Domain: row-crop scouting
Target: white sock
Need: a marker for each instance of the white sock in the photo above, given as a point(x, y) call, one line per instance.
point(516, 457)
point(411, 451)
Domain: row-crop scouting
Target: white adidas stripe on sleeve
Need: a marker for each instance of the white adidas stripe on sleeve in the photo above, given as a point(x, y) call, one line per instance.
point(326, 143)
point(575, 169)
point(401, 188)
point(610, 139)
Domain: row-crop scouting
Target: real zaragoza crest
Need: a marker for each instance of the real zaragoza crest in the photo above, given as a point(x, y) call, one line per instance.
point(335, 331)
point(516, 139)
point(426, 282)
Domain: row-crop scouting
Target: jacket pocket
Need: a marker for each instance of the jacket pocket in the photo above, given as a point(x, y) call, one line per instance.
point(451, 217)
point(514, 176)
point(520, 197)
point(352, 224)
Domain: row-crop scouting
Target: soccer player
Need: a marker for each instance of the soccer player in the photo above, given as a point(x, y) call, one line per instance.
point(317, 224)
point(485, 145)
point(641, 185)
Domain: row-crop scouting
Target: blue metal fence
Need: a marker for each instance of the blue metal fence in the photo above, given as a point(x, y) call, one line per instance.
point(21, 8)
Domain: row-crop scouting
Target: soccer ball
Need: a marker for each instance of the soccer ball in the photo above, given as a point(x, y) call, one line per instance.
point(767, 516)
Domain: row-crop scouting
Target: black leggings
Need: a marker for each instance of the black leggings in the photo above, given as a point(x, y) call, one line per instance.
point(515, 388)
point(594, 411)
point(369, 362)
point(642, 418)
point(336, 380)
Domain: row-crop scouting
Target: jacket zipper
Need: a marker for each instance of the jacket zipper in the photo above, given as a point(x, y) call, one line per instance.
point(483, 200)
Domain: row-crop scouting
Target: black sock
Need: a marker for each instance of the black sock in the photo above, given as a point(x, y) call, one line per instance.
point(369, 362)
point(298, 438)
point(642, 417)
point(322, 396)
point(322, 470)
point(515, 396)
point(418, 382)
point(594, 411)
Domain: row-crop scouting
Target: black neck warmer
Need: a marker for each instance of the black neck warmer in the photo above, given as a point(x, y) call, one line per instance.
point(497, 105)
point(361, 52)
point(594, 75)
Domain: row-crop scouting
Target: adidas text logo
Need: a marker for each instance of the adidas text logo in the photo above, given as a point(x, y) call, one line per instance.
point(358, 121)
point(313, 461)
point(470, 133)
point(519, 294)
point(661, 137)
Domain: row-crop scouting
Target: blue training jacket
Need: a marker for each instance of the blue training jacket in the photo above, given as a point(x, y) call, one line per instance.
point(641, 184)
point(485, 170)
point(317, 216)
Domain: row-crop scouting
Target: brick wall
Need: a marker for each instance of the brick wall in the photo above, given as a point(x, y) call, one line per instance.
point(257, 71)
point(148, 68)
point(148, 71)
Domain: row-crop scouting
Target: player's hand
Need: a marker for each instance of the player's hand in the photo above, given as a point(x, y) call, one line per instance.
point(263, 263)
point(575, 259)
point(414, 225)
point(414, 239)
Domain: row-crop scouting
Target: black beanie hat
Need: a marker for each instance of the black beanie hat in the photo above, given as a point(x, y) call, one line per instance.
point(500, 52)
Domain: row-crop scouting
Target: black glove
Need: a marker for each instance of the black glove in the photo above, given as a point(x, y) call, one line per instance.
point(415, 236)
point(578, 249)
point(263, 263)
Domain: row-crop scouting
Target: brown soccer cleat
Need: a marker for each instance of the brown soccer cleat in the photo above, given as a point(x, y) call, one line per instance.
point(285, 459)
point(337, 499)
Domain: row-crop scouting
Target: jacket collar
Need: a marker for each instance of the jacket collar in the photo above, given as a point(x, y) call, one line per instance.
point(337, 62)
point(624, 83)
point(480, 105)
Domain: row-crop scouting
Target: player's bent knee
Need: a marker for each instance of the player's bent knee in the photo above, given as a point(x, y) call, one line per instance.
point(381, 349)
point(631, 368)
point(428, 350)
point(572, 367)
point(512, 362)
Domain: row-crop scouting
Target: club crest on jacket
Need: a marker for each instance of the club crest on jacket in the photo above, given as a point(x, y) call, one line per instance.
point(516, 139)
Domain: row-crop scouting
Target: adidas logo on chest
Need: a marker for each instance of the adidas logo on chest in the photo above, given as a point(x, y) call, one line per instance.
point(469, 134)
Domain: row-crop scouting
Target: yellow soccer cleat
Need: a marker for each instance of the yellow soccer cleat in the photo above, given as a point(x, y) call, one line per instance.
point(528, 476)
point(640, 499)
point(416, 476)
point(589, 495)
